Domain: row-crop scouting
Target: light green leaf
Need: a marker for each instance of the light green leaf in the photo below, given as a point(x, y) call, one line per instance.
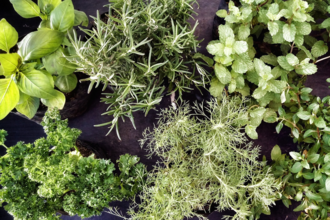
point(222, 74)
point(259, 93)
point(225, 32)
point(317, 175)
point(66, 83)
point(304, 115)
point(284, 63)
point(319, 49)
point(295, 133)
point(9, 63)
point(270, 116)
point(303, 28)
point(222, 13)
point(216, 87)
point(55, 63)
point(25, 68)
point(26, 8)
point(292, 59)
point(8, 36)
point(327, 158)
point(245, 91)
point(9, 96)
point(63, 16)
point(243, 32)
point(28, 105)
point(325, 23)
point(208, 60)
point(314, 196)
point(251, 132)
point(240, 47)
point(57, 101)
point(36, 83)
point(232, 86)
point(297, 167)
point(215, 48)
point(80, 18)
point(305, 164)
point(273, 28)
point(257, 112)
point(276, 153)
point(279, 127)
point(239, 65)
point(320, 123)
point(312, 158)
point(327, 184)
point(289, 32)
point(295, 155)
point(40, 43)
point(306, 69)
point(299, 40)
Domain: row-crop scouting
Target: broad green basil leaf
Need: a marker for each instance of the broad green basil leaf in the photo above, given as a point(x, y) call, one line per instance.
point(80, 18)
point(9, 96)
point(8, 36)
point(26, 8)
point(1, 71)
point(55, 63)
point(28, 67)
point(57, 101)
point(40, 43)
point(276, 153)
point(66, 83)
point(28, 105)
point(10, 63)
point(44, 4)
point(37, 84)
point(62, 17)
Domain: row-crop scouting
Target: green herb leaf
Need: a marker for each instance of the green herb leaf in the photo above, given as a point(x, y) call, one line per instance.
point(66, 83)
point(276, 153)
point(26, 8)
point(320, 123)
point(289, 32)
point(9, 63)
point(8, 36)
point(222, 73)
point(297, 167)
point(28, 105)
point(63, 16)
point(319, 49)
point(251, 132)
point(9, 96)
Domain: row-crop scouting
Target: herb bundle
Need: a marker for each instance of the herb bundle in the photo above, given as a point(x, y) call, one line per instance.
point(135, 49)
point(266, 48)
point(205, 160)
point(51, 176)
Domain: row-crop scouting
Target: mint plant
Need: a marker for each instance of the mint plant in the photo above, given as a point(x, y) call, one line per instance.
point(306, 178)
point(205, 161)
point(264, 49)
point(52, 176)
point(137, 49)
point(31, 74)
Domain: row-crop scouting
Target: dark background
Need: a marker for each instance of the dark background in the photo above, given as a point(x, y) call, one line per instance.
point(21, 129)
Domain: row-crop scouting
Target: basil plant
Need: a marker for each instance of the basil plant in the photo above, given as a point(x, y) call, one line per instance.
point(30, 75)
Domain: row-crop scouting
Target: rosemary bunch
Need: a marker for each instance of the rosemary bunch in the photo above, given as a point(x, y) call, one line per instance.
point(137, 49)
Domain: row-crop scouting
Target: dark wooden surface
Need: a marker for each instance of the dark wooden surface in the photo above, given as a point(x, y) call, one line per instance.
point(21, 129)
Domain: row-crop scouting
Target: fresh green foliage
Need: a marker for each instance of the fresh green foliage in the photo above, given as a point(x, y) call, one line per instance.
point(51, 175)
point(135, 49)
point(205, 160)
point(27, 80)
point(306, 177)
point(265, 49)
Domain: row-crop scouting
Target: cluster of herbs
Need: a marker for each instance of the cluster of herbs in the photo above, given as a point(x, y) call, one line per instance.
point(266, 49)
point(138, 49)
point(205, 160)
point(52, 176)
point(30, 75)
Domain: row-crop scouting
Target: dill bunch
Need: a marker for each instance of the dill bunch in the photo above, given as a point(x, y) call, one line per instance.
point(137, 49)
point(206, 160)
